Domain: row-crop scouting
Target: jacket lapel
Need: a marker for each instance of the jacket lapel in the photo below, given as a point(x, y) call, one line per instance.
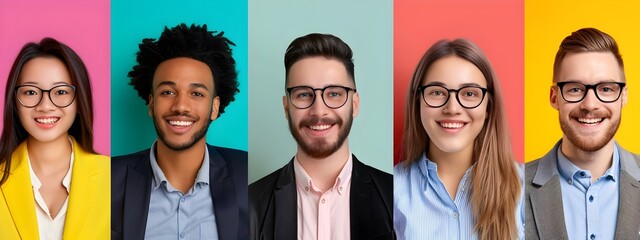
point(286, 217)
point(546, 198)
point(628, 224)
point(223, 195)
point(82, 193)
point(18, 194)
point(136, 198)
point(360, 201)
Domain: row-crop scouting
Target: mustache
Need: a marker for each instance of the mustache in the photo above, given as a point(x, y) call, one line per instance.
point(319, 121)
point(582, 113)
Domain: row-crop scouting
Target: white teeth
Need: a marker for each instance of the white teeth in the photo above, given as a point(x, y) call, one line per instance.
point(47, 120)
point(452, 125)
point(590, 120)
point(181, 123)
point(319, 127)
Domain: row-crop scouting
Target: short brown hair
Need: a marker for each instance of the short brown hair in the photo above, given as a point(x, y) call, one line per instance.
point(587, 40)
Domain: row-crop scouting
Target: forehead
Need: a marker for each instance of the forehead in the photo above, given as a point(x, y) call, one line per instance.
point(453, 71)
point(590, 67)
point(183, 72)
point(318, 72)
point(44, 71)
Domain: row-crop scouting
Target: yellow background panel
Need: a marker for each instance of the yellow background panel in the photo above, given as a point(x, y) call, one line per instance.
point(547, 22)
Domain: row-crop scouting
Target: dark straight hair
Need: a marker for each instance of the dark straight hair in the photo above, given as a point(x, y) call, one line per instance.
point(13, 133)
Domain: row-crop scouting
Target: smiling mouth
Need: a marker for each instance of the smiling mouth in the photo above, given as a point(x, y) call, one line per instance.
point(590, 120)
point(450, 125)
point(180, 123)
point(320, 127)
point(47, 120)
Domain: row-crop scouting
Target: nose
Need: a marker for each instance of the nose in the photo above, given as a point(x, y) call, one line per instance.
point(318, 108)
point(590, 101)
point(452, 106)
point(45, 103)
point(181, 104)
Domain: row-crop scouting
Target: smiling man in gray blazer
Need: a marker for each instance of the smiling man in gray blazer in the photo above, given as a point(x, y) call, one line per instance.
point(587, 186)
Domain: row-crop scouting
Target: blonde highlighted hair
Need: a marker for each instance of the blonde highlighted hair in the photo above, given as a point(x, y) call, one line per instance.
point(495, 182)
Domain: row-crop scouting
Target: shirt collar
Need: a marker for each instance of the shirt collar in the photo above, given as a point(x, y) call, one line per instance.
point(304, 180)
point(158, 174)
point(66, 181)
point(570, 171)
point(428, 167)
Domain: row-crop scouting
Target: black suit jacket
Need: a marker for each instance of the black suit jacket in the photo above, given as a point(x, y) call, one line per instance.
point(131, 178)
point(273, 204)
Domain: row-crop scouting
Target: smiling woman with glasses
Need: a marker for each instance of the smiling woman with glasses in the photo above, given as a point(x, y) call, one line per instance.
point(459, 178)
point(54, 185)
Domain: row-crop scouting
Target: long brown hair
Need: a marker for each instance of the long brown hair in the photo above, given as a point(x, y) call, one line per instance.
point(495, 186)
point(13, 133)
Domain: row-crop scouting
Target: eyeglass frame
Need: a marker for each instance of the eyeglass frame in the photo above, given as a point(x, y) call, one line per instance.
point(587, 87)
point(42, 91)
point(289, 89)
point(423, 87)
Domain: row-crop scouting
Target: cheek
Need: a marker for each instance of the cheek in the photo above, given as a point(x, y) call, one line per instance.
point(426, 116)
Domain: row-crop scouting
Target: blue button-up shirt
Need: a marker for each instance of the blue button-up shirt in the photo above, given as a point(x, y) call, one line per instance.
point(176, 215)
point(423, 208)
point(590, 209)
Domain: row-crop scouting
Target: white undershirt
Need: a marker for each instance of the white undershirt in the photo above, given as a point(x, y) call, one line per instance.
point(50, 229)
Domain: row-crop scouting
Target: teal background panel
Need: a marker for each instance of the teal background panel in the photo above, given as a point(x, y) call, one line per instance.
point(132, 129)
point(367, 28)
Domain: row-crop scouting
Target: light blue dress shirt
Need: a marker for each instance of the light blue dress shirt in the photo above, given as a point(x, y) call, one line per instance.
point(590, 209)
point(176, 215)
point(423, 208)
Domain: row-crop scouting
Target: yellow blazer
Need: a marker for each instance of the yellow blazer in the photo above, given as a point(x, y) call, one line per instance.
point(89, 208)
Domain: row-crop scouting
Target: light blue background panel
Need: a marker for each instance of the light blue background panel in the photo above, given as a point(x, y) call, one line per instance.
point(132, 129)
point(367, 28)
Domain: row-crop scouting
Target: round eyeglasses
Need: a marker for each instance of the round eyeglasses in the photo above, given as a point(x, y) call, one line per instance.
point(436, 96)
point(606, 92)
point(30, 96)
point(302, 97)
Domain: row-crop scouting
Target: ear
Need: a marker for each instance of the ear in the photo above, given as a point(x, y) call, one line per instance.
point(285, 105)
point(356, 104)
point(150, 105)
point(215, 106)
point(624, 96)
point(553, 97)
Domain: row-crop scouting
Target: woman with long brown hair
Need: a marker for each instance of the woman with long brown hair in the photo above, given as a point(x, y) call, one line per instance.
point(53, 184)
point(459, 179)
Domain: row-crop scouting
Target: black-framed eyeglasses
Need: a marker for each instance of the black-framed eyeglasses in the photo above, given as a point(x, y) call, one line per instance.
point(302, 97)
point(30, 96)
point(606, 92)
point(436, 96)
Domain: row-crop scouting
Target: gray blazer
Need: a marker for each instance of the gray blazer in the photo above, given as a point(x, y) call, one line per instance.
point(544, 216)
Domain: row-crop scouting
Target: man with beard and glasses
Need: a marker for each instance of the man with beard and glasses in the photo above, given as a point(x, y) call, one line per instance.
point(182, 187)
point(587, 186)
point(324, 192)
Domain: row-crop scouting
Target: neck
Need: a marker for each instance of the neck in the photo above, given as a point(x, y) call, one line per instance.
point(49, 156)
point(180, 167)
point(451, 163)
point(324, 171)
point(596, 162)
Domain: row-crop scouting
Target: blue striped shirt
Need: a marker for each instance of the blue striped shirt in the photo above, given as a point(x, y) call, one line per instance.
point(590, 209)
point(423, 208)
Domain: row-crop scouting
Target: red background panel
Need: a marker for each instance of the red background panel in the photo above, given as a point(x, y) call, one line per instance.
point(497, 27)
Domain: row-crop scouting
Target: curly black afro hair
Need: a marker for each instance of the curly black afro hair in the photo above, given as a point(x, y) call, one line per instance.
point(193, 42)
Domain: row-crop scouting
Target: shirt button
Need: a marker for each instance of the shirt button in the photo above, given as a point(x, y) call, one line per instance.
point(591, 200)
point(592, 236)
point(323, 200)
point(306, 188)
point(582, 174)
point(181, 235)
point(182, 199)
point(340, 189)
point(455, 215)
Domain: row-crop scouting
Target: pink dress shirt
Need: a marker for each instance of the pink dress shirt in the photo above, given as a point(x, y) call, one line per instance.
point(323, 215)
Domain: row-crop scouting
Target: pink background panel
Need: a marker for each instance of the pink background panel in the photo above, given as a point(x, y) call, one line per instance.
point(83, 26)
point(497, 27)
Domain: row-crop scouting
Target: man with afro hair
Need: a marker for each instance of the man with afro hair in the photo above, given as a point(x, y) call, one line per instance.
point(182, 187)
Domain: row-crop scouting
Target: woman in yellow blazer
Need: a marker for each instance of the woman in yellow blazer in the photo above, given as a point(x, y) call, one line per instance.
point(53, 185)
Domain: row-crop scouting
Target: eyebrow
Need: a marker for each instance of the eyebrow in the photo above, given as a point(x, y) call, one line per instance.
point(54, 84)
point(441, 84)
point(173, 84)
